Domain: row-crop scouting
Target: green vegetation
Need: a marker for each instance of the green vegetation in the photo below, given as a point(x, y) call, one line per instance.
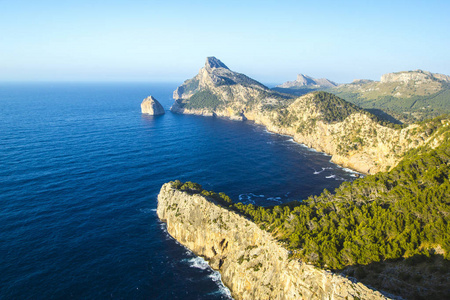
point(408, 108)
point(331, 109)
point(195, 188)
point(203, 99)
point(191, 85)
point(335, 109)
point(297, 91)
point(396, 216)
point(385, 216)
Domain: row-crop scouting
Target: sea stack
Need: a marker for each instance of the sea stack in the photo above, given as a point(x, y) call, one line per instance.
point(152, 107)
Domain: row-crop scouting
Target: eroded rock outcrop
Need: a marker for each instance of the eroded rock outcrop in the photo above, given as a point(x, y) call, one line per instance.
point(151, 106)
point(252, 263)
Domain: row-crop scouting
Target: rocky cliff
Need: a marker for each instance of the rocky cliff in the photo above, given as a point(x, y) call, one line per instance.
point(252, 263)
point(354, 137)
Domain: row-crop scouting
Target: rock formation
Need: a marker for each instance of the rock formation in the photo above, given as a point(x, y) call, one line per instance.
point(252, 263)
point(307, 81)
point(417, 76)
point(151, 106)
point(354, 137)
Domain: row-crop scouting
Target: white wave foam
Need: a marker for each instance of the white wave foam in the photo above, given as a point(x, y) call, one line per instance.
point(350, 171)
point(275, 199)
point(323, 169)
point(217, 278)
point(199, 263)
point(331, 176)
point(147, 210)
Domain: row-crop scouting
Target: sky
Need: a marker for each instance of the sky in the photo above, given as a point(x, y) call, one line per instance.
point(270, 41)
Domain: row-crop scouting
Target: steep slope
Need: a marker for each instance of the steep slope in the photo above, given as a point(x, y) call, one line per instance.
point(390, 230)
point(408, 96)
point(354, 137)
point(252, 263)
point(216, 90)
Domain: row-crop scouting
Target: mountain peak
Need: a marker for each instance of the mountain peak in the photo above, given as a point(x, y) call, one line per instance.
point(307, 81)
point(212, 62)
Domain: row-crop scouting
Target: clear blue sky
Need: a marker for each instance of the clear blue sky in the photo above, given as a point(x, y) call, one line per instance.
point(270, 41)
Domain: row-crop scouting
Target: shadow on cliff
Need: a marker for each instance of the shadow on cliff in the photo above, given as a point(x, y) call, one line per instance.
point(383, 115)
point(295, 91)
point(418, 277)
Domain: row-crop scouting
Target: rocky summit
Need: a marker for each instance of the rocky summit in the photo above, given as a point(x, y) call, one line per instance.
point(151, 106)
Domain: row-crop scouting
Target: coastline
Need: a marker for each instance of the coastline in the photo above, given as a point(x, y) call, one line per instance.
point(269, 130)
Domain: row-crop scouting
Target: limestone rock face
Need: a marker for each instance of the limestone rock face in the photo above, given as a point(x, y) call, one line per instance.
point(252, 263)
point(152, 107)
point(417, 76)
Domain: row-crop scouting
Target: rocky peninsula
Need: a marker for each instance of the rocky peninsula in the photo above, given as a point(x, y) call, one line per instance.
point(388, 230)
point(252, 263)
point(354, 137)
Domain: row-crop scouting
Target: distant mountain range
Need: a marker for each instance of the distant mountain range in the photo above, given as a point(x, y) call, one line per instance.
point(406, 96)
point(307, 81)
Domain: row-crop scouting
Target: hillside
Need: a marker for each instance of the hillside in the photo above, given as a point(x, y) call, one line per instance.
point(407, 96)
point(218, 90)
point(389, 230)
point(353, 136)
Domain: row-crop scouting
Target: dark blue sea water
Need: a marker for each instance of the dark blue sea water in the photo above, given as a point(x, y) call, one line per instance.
point(80, 170)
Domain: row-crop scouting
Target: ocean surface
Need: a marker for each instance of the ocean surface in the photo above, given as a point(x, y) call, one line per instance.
point(80, 170)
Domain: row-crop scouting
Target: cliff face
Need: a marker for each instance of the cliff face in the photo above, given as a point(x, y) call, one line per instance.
point(253, 265)
point(319, 120)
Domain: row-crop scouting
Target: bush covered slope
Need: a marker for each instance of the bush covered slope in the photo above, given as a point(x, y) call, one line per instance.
point(390, 216)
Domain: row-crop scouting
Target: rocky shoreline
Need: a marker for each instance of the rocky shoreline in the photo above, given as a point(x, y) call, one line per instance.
point(253, 265)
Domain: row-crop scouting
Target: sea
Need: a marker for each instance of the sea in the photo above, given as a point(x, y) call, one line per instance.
point(80, 171)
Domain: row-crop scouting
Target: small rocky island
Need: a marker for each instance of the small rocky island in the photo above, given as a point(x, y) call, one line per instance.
point(151, 106)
